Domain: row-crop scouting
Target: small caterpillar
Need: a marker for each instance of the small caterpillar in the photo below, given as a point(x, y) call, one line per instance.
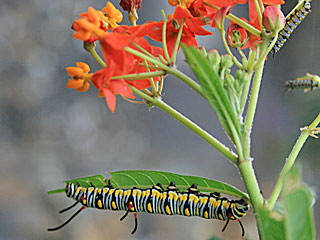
point(309, 82)
point(156, 200)
point(292, 22)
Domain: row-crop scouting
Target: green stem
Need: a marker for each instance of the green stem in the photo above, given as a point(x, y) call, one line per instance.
point(305, 132)
point(94, 54)
point(226, 46)
point(227, 152)
point(170, 70)
point(251, 183)
point(245, 91)
point(164, 38)
point(177, 43)
point(266, 52)
point(259, 9)
point(245, 165)
point(238, 21)
point(144, 51)
point(153, 86)
point(254, 94)
point(137, 76)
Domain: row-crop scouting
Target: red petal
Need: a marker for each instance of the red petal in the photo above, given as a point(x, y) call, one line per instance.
point(181, 13)
point(110, 98)
point(119, 86)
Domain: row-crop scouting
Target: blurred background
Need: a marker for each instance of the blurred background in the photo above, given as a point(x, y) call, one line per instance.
point(49, 133)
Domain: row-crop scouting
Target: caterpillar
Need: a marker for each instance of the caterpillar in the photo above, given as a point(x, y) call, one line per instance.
point(309, 82)
point(292, 22)
point(156, 200)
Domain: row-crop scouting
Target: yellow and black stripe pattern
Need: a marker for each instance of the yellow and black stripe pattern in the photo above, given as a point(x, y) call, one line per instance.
point(156, 200)
point(292, 22)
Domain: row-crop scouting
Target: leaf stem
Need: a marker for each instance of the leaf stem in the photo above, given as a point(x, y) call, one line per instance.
point(305, 132)
point(227, 152)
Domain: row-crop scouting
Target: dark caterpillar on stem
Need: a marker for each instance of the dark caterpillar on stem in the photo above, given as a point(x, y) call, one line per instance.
point(292, 22)
point(156, 200)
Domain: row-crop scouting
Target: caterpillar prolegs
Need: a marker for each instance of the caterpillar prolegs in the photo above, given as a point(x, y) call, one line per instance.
point(156, 200)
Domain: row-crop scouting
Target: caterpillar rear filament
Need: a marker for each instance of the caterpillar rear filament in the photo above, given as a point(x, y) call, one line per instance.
point(156, 200)
point(292, 22)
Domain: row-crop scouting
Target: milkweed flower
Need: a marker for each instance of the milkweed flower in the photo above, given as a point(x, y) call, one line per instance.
point(237, 36)
point(80, 77)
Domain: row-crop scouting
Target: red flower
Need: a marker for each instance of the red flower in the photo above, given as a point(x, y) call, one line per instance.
point(191, 28)
point(273, 19)
point(237, 37)
point(110, 88)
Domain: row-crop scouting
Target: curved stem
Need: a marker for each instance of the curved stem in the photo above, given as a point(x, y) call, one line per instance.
point(227, 152)
point(305, 132)
point(164, 38)
point(226, 46)
point(177, 43)
point(94, 54)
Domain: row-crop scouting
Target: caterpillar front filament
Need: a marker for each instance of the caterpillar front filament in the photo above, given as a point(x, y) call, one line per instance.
point(292, 22)
point(156, 200)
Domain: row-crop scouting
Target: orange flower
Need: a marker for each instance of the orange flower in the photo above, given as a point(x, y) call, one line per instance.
point(80, 77)
point(111, 16)
point(93, 24)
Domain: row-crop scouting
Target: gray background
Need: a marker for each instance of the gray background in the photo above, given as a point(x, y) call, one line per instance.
point(49, 133)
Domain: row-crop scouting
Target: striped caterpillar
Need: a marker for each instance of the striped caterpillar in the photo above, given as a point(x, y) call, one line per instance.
point(156, 200)
point(309, 82)
point(292, 22)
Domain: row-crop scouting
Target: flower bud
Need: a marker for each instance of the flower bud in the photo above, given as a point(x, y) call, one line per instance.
point(237, 36)
point(220, 16)
point(128, 5)
point(273, 19)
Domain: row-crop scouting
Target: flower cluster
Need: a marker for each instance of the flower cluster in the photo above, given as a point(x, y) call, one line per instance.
point(126, 51)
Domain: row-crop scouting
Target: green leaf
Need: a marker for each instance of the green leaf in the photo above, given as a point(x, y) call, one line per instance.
point(214, 91)
point(96, 181)
point(293, 218)
point(60, 190)
point(145, 179)
point(272, 225)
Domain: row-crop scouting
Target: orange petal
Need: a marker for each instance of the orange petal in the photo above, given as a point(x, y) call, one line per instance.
point(75, 71)
point(72, 83)
point(84, 88)
point(85, 67)
point(82, 35)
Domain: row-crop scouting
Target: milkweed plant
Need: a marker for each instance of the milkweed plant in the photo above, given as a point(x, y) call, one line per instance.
point(133, 70)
